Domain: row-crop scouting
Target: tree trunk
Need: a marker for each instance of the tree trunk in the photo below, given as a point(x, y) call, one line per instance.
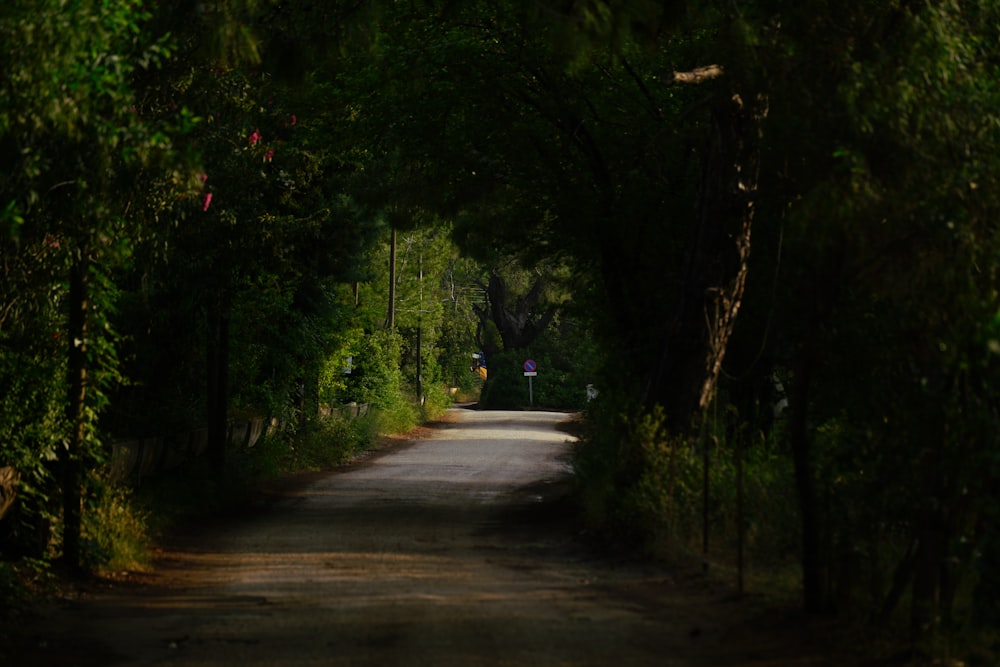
point(420, 361)
point(75, 413)
point(900, 579)
point(813, 577)
point(740, 519)
point(932, 547)
point(217, 358)
point(684, 377)
point(516, 319)
point(706, 461)
point(926, 581)
point(308, 399)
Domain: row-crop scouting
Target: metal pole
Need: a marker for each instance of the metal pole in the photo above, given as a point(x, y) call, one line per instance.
point(531, 395)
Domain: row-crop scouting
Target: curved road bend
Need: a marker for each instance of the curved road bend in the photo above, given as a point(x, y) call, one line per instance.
point(428, 555)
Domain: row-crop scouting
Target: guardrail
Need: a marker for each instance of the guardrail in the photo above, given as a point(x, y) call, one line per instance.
point(134, 460)
point(139, 458)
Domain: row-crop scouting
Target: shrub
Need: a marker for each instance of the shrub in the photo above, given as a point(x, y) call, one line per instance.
point(334, 440)
point(640, 486)
point(436, 401)
point(115, 529)
point(553, 388)
point(375, 377)
point(506, 387)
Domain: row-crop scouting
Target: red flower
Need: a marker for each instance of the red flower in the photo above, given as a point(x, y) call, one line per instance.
point(294, 119)
point(269, 156)
point(204, 177)
point(254, 137)
point(208, 200)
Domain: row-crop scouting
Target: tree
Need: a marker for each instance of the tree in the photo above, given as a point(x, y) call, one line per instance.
point(519, 320)
point(883, 289)
point(68, 118)
point(824, 131)
point(580, 174)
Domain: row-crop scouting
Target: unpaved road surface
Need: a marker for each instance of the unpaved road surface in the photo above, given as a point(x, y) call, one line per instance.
point(454, 549)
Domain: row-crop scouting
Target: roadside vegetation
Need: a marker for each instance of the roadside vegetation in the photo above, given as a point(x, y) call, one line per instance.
point(754, 243)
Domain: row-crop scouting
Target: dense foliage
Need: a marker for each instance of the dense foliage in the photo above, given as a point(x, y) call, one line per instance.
point(764, 231)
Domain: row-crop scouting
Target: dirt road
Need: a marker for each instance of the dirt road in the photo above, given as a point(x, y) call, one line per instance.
point(451, 550)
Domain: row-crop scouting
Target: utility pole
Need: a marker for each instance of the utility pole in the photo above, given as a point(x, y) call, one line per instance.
point(390, 322)
point(420, 324)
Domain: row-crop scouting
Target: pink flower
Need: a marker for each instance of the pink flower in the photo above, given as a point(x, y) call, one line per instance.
point(254, 137)
point(269, 156)
point(203, 177)
point(294, 119)
point(208, 200)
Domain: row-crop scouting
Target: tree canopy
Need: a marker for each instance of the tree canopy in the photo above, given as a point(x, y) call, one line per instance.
point(702, 209)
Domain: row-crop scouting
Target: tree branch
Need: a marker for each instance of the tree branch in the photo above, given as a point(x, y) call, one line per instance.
point(653, 106)
point(695, 76)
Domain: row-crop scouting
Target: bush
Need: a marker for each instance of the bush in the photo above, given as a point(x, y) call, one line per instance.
point(605, 469)
point(436, 401)
point(559, 390)
point(398, 418)
point(640, 486)
point(22, 581)
point(375, 377)
point(115, 529)
point(506, 388)
point(552, 389)
point(320, 443)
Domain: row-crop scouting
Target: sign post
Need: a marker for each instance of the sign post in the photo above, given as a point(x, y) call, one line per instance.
point(530, 371)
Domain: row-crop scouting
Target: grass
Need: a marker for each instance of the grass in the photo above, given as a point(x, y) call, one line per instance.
point(116, 530)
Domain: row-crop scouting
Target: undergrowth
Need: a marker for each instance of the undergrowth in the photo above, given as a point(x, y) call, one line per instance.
point(115, 530)
point(642, 489)
point(122, 523)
